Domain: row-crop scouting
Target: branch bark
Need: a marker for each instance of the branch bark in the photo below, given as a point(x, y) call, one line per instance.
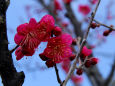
point(9, 75)
point(76, 24)
point(57, 74)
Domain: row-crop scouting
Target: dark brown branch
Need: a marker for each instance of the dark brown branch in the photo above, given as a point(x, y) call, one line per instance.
point(57, 74)
point(76, 24)
point(9, 75)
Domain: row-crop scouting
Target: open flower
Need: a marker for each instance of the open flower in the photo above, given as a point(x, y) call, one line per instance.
point(85, 52)
point(29, 35)
point(26, 35)
point(45, 27)
point(58, 48)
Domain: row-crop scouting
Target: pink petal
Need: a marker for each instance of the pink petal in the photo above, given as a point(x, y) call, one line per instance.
point(57, 31)
point(32, 24)
point(86, 51)
point(28, 52)
point(21, 29)
point(18, 38)
point(66, 38)
point(19, 53)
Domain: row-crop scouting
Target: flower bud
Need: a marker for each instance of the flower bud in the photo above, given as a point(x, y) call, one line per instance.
point(49, 63)
point(79, 71)
point(94, 61)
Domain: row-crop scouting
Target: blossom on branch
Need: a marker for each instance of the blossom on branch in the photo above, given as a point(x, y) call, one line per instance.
point(58, 48)
point(85, 52)
point(30, 35)
point(45, 27)
point(26, 35)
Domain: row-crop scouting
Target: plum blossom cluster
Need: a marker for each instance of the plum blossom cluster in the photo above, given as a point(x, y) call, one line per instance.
point(30, 35)
point(58, 49)
point(88, 62)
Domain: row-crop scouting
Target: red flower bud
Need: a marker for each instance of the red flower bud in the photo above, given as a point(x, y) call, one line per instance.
point(43, 57)
point(72, 57)
point(88, 63)
point(94, 61)
point(93, 25)
point(49, 63)
point(106, 33)
point(79, 71)
point(57, 31)
point(74, 41)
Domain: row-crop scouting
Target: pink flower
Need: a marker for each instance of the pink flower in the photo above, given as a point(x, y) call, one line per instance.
point(26, 35)
point(85, 52)
point(58, 48)
point(57, 5)
point(84, 9)
point(45, 27)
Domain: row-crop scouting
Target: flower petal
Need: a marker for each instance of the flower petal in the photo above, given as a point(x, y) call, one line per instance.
point(18, 38)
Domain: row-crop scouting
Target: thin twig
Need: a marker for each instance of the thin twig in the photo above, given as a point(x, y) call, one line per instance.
point(104, 25)
point(57, 74)
point(73, 66)
point(14, 49)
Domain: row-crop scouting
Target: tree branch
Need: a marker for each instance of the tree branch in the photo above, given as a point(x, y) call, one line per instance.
point(76, 24)
point(14, 49)
point(104, 25)
point(9, 75)
point(73, 66)
point(57, 74)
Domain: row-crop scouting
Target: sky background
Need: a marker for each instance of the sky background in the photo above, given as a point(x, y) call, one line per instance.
point(34, 76)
